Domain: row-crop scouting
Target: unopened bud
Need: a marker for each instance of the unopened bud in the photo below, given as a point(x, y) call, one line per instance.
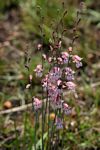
point(60, 42)
point(28, 86)
point(49, 59)
point(51, 48)
point(30, 77)
point(44, 56)
point(70, 49)
point(39, 46)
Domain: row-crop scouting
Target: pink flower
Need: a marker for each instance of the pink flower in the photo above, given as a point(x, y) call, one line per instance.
point(37, 104)
point(78, 64)
point(60, 60)
point(70, 85)
point(52, 93)
point(77, 60)
point(38, 71)
point(45, 83)
point(66, 109)
point(69, 73)
point(65, 57)
point(55, 74)
point(50, 59)
point(59, 123)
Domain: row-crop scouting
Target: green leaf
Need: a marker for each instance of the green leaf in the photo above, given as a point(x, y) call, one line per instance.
point(39, 143)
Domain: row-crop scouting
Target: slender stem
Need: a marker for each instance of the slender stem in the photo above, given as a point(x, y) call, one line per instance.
point(16, 135)
point(35, 132)
point(42, 111)
point(48, 122)
point(42, 126)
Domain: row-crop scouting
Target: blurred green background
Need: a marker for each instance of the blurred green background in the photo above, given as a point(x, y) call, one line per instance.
point(19, 31)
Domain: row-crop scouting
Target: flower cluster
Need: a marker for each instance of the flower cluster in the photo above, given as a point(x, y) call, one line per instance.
point(59, 77)
point(51, 109)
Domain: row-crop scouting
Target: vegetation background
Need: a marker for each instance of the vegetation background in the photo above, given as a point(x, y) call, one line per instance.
point(19, 31)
